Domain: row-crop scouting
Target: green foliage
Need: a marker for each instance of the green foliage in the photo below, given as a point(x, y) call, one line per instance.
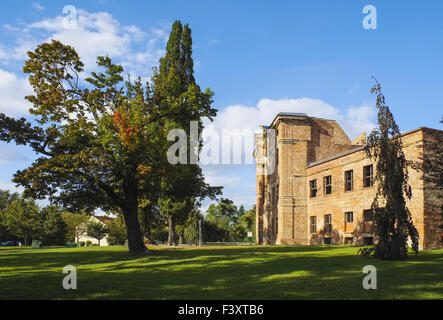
point(228, 223)
point(366, 252)
point(117, 231)
point(97, 230)
point(160, 234)
point(392, 219)
point(175, 90)
point(102, 142)
point(22, 220)
point(53, 227)
point(75, 225)
point(5, 199)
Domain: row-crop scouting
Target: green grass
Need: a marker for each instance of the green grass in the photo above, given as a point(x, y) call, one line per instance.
point(277, 272)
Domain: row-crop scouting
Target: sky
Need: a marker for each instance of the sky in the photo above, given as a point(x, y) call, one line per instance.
point(259, 57)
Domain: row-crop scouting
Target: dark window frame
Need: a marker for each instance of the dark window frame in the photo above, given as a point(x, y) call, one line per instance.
point(349, 214)
point(313, 188)
point(327, 186)
point(328, 223)
point(313, 224)
point(368, 176)
point(349, 180)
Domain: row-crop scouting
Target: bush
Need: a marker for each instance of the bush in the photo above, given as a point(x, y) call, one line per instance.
point(161, 235)
point(88, 242)
point(81, 243)
point(366, 252)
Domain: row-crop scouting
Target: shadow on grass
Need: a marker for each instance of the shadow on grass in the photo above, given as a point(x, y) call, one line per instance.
point(223, 273)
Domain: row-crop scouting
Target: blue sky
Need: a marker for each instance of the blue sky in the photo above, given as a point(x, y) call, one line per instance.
point(259, 57)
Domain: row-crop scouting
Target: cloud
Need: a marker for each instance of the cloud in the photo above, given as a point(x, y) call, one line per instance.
point(239, 183)
point(92, 35)
point(354, 120)
point(96, 34)
point(10, 187)
point(37, 6)
point(13, 90)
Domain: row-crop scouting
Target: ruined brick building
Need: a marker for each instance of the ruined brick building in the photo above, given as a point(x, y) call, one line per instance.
point(319, 188)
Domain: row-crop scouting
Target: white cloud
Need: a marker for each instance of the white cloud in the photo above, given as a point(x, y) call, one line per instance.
point(10, 187)
point(239, 184)
point(13, 90)
point(37, 6)
point(95, 34)
point(354, 120)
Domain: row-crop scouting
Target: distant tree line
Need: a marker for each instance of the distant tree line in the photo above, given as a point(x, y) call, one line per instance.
point(22, 220)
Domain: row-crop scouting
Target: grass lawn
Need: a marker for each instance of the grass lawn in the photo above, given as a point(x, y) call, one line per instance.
point(277, 272)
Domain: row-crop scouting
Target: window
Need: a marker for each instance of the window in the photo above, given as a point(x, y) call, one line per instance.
point(313, 224)
point(327, 241)
point(349, 240)
point(368, 179)
point(368, 241)
point(349, 217)
point(328, 184)
point(368, 215)
point(328, 223)
point(349, 180)
point(313, 187)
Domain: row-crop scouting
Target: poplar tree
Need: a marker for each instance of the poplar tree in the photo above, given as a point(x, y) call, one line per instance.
point(176, 91)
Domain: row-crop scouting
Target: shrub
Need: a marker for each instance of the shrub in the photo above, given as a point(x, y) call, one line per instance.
point(161, 235)
point(366, 252)
point(88, 242)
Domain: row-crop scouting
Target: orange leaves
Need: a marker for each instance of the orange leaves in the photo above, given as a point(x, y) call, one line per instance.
point(142, 169)
point(126, 132)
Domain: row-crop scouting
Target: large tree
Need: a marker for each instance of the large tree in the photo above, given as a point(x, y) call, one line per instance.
point(76, 225)
point(174, 87)
point(23, 221)
point(101, 141)
point(97, 230)
point(393, 221)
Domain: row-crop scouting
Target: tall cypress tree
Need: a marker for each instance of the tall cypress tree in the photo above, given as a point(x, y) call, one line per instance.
point(178, 95)
point(393, 221)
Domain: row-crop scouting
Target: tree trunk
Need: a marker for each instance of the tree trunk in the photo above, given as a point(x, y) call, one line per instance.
point(181, 235)
point(135, 239)
point(171, 235)
point(147, 223)
point(130, 213)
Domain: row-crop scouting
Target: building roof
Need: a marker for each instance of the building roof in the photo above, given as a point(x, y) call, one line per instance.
point(358, 148)
point(286, 114)
point(335, 156)
point(104, 219)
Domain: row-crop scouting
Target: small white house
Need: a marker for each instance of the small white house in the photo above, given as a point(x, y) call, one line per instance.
point(101, 219)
